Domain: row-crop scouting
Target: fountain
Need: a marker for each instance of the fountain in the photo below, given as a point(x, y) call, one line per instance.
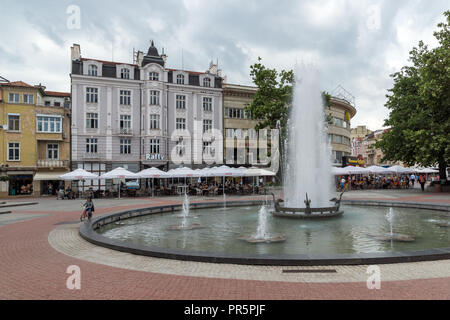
point(261, 234)
point(391, 236)
point(185, 215)
point(308, 157)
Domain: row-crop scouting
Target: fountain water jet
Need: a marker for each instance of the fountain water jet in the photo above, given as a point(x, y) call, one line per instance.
point(185, 215)
point(261, 234)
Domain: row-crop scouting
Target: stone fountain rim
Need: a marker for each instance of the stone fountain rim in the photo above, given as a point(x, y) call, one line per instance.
point(87, 232)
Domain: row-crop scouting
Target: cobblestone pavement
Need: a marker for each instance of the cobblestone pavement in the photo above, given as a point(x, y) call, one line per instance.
point(35, 254)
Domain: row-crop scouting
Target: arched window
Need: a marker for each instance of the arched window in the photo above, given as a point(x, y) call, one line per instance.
point(92, 70)
point(154, 76)
point(206, 82)
point(125, 73)
point(180, 79)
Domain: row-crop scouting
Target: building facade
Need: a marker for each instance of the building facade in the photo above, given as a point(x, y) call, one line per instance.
point(141, 114)
point(238, 138)
point(340, 112)
point(35, 138)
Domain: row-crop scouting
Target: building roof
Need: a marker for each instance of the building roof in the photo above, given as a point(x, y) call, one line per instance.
point(17, 84)
point(190, 72)
point(57, 94)
point(153, 51)
point(108, 62)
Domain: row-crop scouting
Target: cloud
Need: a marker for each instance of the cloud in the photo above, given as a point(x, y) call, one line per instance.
point(356, 44)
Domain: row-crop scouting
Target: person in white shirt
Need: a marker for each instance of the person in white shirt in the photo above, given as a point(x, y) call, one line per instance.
point(413, 179)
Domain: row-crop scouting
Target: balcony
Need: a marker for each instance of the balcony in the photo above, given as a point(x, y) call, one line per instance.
point(91, 155)
point(124, 132)
point(53, 163)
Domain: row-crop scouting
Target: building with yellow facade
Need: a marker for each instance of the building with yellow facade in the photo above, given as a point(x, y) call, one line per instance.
point(35, 138)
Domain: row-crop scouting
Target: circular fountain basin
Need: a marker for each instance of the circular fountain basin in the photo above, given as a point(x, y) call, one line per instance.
point(360, 236)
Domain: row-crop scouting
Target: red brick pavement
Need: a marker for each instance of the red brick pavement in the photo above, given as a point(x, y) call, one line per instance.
point(31, 269)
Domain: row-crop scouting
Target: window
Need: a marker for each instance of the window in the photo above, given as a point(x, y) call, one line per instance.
point(235, 113)
point(13, 122)
point(154, 121)
point(125, 123)
point(180, 124)
point(28, 98)
point(125, 73)
point(47, 103)
point(206, 82)
point(154, 97)
point(52, 151)
point(13, 151)
point(92, 70)
point(91, 95)
point(57, 104)
point(180, 79)
point(207, 125)
point(180, 101)
point(91, 145)
point(207, 104)
point(125, 146)
point(48, 124)
point(208, 149)
point(91, 120)
point(337, 139)
point(154, 146)
point(229, 133)
point(345, 140)
point(180, 148)
point(153, 76)
point(13, 97)
point(125, 97)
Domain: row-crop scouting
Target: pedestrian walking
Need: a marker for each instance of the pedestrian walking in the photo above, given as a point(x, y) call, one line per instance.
point(422, 181)
point(413, 179)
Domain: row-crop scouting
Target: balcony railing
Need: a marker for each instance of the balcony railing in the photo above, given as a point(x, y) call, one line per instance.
point(124, 131)
point(91, 155)
point(53, 163)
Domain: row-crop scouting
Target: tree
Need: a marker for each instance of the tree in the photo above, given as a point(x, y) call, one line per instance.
point(274, 96)
point(419, 105)
point(270, 103)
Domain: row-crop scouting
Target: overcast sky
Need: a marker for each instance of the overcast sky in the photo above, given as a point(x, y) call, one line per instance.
point(356, 44)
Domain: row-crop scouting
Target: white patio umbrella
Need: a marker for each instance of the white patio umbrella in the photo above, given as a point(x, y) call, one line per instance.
point(339, 171)
point(378, 170)
point(119, 173)
point(400, 169)
point(152, 173)
point(258, 172)
point(356, 170)
point(428, 170)
point(183, 172)
point(78, 174)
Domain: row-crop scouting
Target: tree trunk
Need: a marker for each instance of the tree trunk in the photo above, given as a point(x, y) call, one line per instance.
point(442, 170)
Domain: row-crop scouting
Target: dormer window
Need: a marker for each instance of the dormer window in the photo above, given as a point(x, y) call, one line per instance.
point(153, 76)
point(207, 82)
point(125, 73)
point(92, 70)
point(180, 79)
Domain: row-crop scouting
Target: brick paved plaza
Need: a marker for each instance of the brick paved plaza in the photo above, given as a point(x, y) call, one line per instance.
point(40, 241)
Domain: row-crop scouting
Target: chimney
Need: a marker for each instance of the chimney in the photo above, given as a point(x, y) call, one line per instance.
point(140, 58)
point(75, 52)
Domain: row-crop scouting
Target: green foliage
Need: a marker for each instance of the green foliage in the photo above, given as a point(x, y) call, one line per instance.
point(419, 105)
point(274, 96)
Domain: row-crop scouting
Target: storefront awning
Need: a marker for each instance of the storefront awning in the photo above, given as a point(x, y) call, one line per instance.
point(48, 175)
